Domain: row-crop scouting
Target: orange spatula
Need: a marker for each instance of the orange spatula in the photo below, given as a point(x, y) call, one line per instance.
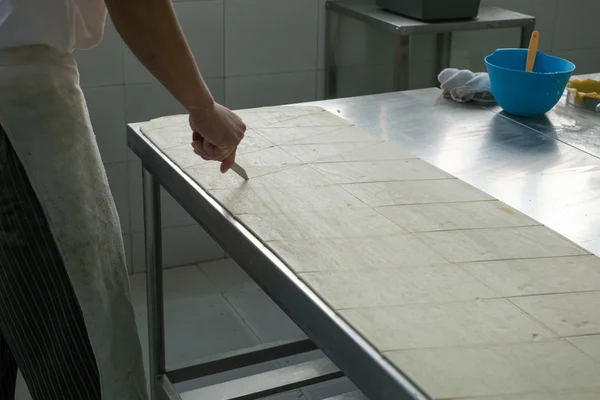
point(532, 52)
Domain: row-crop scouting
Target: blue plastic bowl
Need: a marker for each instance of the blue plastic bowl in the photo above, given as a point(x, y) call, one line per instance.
point(527, 94)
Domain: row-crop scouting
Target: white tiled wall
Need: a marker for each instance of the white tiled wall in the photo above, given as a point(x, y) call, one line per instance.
point(266, 52)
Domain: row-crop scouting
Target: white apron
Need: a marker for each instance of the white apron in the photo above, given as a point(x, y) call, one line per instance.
point(44, 114)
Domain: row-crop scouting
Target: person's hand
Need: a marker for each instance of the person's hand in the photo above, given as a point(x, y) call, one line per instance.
point(217, 133)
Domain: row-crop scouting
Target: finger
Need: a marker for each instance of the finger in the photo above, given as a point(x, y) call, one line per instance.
point(198, 148)
point(209, 148)
point(222, 153)
point(203, 155)
point(197, 140)
point(228, 162)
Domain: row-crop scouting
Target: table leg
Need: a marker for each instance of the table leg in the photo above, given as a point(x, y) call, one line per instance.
point(331, 53)
point(401, 63)
point(443, 53)
point(526, 32)
point(154, 280)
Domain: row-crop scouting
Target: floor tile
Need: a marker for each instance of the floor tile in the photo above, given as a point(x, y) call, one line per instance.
point(226, 275)
point(406, 286)
point(566, 314)
point(560, 395)
point(464, 324)
point(356, 395)
point(416, 192)
point(356, 254)
point(348, 134)
point(21, 390)
point(291, 135)
point(262, 315)
point(590, 345)
point(493, 370)
point(256, 200)
point(198, 320)
point(349, 223)
point(314, 152)
point(181, 246)
point(331, 388)
point(180, 282)
point(224, 377)
point(374, 152)
point(293, 395)
point(187, 285)
point(451, 216)
point(262, 162)
point(379, 171)
point(499, 244)
point(301, 358)
point(538, 275)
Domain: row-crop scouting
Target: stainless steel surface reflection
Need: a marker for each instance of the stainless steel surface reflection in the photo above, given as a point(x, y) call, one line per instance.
point(575, 126)
point(548, 168)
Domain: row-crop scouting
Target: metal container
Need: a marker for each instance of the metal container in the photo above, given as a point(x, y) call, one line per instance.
point(433, 10)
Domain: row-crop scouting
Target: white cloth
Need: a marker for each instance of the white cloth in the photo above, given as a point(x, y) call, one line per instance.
point(44, 114)
point(464, 85)
point(64, 25)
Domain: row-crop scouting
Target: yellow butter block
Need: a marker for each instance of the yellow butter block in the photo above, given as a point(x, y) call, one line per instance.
point(584, 89)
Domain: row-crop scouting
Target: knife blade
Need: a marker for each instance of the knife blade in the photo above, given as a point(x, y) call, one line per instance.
point(239, 170)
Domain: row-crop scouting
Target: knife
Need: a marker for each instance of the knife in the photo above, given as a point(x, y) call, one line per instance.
point(240, 171)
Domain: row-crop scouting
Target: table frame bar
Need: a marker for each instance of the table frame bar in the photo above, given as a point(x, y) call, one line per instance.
point(154, 279)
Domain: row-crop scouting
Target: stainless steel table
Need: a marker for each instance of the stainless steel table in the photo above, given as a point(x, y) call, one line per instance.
point(547, 168)
point(401, 28)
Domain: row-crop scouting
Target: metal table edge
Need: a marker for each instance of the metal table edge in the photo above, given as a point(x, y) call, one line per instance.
point(366, 367)
point(453, 26)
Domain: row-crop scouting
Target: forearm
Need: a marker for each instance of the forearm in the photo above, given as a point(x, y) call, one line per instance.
point(150, 29)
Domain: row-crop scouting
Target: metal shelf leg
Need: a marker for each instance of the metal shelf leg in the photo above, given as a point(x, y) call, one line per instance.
point(154, 281)
point(443, 53)
point(332, 45)
point(401, 63)
point(526, 32)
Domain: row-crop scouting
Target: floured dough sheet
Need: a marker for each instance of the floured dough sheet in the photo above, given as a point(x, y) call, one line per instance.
point(466, 295)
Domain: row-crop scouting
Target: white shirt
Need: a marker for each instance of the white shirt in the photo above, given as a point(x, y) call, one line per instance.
point(62, 24)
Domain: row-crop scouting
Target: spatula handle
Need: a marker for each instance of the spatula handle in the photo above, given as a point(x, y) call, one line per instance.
point(532, 52)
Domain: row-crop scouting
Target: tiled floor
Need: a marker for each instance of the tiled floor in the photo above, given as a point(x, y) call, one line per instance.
point(215, 307)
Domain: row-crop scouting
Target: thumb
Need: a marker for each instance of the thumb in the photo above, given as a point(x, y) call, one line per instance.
point(228, 162)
